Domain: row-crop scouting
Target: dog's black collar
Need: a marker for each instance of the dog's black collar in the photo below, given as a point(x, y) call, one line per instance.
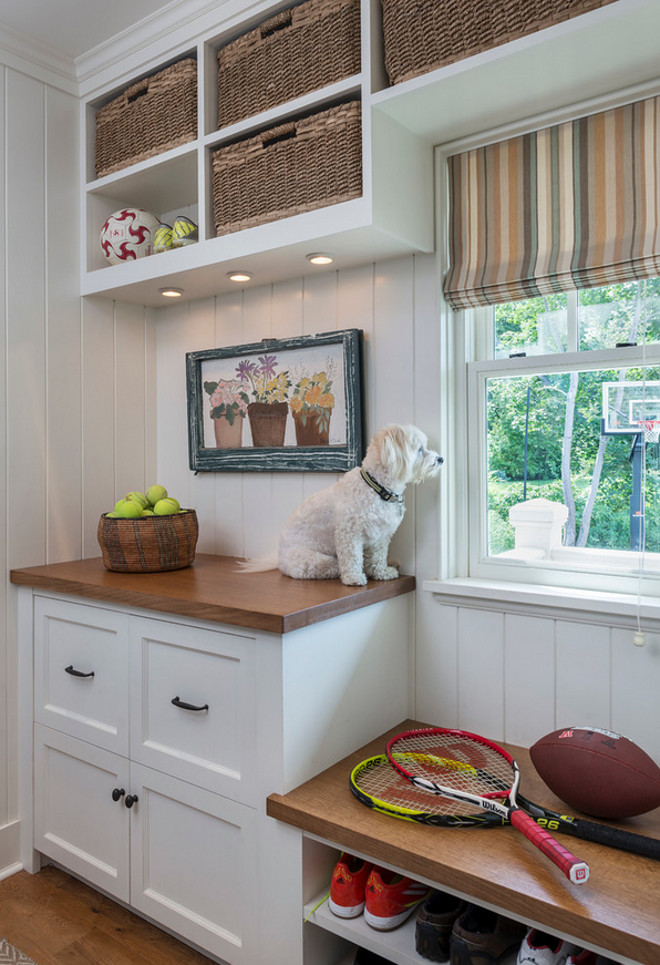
point(384, 494)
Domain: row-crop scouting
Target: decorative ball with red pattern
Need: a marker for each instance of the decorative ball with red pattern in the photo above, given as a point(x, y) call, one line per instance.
point(128, 234)
point(598, 771)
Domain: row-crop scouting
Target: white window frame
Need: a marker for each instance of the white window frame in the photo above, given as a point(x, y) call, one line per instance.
point(574, 567)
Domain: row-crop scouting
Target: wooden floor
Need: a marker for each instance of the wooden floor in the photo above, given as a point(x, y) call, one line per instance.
point(56, 920)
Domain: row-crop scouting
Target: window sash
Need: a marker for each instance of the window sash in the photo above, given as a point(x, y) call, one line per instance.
point(588, 569)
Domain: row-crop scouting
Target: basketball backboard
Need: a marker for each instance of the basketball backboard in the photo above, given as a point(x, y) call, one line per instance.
point(627, 404)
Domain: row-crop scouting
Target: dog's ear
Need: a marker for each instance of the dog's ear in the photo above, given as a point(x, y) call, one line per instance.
point(394, 453)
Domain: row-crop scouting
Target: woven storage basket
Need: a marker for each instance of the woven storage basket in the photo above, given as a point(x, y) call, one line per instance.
point(289, 169)
point(297, 51)
point(149, 117)
point(422, 35)
point(150, 544)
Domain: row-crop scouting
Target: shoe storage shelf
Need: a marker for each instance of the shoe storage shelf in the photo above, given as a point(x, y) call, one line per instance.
point(614, 913)
point(162, 709)
point(393, 213)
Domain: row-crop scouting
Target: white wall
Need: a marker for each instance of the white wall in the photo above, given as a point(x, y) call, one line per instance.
point(77, 386)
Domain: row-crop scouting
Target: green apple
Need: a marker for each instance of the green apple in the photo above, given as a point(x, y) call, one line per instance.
point(128, 508)
point(154, 493)
point(166, 507)
point(139, 497)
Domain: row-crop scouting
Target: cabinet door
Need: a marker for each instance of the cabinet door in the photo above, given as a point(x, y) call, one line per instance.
point(194, 864)
point(77, 821)
point(193, 711)
point(81, 671)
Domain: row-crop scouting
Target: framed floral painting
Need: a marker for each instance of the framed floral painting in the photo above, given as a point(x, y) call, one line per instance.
point(287, 404)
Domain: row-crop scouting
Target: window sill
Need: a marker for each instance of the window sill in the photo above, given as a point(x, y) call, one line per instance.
point(584, 606)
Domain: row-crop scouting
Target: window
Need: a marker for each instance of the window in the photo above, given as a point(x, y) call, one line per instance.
point(564, 486)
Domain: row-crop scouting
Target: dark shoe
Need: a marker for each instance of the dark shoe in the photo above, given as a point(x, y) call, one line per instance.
point(435, 920)
point(482, 937)
point(365, 957)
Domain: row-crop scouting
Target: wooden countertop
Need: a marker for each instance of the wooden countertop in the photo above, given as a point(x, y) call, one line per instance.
point(618, 909)
point(213, 588)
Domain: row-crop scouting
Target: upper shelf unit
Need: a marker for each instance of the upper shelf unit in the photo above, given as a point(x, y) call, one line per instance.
point(391, 212)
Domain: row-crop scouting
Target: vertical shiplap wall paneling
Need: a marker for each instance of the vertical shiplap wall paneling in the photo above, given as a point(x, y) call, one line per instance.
point(529, 678)
point(190, 327)
point(26, 315)
point(98, 422)
point(130, 408)
point(27, 378)
point(584, 668)
point(151, 319)
point(182, 328)
point(635, 686)
point(436, 662)
point(64, 360)
point(4, 717)
point(481, 672)
point(393, 366)
point(427, 391)
point(200, 491)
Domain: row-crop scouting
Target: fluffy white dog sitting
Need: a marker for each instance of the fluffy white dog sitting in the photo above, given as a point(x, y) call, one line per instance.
point(344, 531)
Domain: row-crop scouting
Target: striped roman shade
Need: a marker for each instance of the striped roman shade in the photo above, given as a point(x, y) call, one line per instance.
point(572, 206)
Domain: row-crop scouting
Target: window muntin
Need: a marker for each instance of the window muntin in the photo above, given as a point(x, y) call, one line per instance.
point(538, 432)
point(544, 441)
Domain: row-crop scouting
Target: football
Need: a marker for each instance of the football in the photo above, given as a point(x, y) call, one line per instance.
point(128, 234)
point(598, 772)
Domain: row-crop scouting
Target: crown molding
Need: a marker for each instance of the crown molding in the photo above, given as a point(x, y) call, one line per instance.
point(37, 60)
point(172, 30)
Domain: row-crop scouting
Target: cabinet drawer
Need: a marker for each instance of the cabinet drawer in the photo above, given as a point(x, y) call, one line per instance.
point(193, 705)
point(81, 672)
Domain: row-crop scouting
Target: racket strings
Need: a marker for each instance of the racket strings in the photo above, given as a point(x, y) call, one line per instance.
point(379, 781)
point(457, 763)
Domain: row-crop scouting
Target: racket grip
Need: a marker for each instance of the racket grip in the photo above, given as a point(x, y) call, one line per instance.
point(575, 870)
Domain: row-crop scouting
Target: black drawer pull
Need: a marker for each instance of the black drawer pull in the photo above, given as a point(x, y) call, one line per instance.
point(131, 799)
point(185, 706)
point(77, 673)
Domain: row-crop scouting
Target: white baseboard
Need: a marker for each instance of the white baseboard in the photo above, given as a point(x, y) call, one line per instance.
point(10, 849)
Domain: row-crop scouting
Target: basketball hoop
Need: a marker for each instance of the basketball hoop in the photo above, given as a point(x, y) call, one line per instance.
point(650, 428)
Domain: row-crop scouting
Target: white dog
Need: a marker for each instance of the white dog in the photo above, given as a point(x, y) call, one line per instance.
point(344, 531)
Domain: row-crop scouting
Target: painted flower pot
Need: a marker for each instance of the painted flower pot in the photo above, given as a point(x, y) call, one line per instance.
point(308, 430)
point(268, 423)
point(228, 435)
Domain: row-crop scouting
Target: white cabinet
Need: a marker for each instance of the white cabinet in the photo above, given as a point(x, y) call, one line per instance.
point(156, 740)
point(181, 851)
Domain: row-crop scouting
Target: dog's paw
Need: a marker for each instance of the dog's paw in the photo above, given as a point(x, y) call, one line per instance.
point(385, 573)
point(353, 579)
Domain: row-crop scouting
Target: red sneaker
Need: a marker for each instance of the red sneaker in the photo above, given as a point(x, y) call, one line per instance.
point(347, 886)
point(391, 898)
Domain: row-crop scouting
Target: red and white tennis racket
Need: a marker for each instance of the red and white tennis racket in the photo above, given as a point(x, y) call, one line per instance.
point(473, 770)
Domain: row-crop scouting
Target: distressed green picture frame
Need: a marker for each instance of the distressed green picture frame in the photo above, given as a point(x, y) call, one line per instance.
point(289, 405)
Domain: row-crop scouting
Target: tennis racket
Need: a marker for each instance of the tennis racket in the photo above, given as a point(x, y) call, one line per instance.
point(377, 785)
point(473, 770)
